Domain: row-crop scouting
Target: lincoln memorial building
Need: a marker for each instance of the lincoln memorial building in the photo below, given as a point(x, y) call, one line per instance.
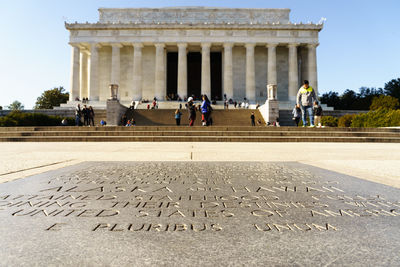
point(190, 51)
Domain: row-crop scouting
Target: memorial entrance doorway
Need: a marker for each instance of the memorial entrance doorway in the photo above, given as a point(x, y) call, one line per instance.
point(194, 75)
point(172, 75)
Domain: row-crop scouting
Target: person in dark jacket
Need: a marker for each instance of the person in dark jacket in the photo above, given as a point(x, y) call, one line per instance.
point(85, 112)
point(91, 116)
point(124, 120)
point(317, 113)
point(192, 111)
point(78, 114)
point(253, 119)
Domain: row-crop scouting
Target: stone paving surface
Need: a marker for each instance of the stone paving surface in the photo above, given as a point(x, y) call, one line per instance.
point(374, 162)
point(197, 213)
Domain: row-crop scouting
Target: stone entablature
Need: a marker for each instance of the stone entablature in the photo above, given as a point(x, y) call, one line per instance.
point(129, 47)
point(194, 15)
point(87, 33)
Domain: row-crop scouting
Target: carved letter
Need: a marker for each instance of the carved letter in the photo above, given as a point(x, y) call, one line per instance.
point(101, 226)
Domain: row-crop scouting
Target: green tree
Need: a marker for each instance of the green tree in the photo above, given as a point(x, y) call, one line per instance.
point(392, 88)
point(331, 99)
point(384, 102)
point(365, 96)
point(347, 100)
point(16, 105)
point(51, 98)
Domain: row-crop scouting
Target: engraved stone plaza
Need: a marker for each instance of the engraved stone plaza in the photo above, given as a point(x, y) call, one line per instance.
point(152, 193)
point(197, 213)
point(191, 51)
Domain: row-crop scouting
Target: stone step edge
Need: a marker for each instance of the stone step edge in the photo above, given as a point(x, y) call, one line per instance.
point(192, 129)
point(199, 139)
point(207, 131)
point(199, 134)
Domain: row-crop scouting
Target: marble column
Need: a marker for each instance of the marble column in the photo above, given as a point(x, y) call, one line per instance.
point(293, 72)
point(83, 78)
point(137, 71)
point(160, 85)
point(228, 74)
point(272, 75)
point(115, 63)
point(250, 73)
point(75, 65)
point(94, 75)
point(312, 66)
point(205, 70)
point(182, 70)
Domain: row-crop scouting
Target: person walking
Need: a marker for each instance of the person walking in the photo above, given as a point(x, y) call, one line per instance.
point(178, 115)
point(253, 119)
point(205, 110)
point(305, 99)
point(91, 116)
point(296, 115)
point(317, 114)
point(192, 111)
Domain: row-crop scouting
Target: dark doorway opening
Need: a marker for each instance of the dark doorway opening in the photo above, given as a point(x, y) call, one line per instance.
point(172, 75)
point(216, 75)
point(194, 74)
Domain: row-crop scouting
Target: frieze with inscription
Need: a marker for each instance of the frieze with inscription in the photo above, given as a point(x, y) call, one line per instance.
point(194, 15)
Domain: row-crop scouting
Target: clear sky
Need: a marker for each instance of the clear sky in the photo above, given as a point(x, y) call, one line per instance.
point(359, 45)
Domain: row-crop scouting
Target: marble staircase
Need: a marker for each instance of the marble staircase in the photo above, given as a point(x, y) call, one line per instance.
point(197, 134)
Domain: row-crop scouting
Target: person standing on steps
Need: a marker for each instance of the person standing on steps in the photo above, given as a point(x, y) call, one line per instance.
point(85, 112)
point(296, 115)
point(205, 110)
point(305, 99)
point(317, 114)
point(91, 116)
point(78, 114)
point(178, 115)
point(253, 119)
point(192, 111)
point(132, 106)
point(124, 120)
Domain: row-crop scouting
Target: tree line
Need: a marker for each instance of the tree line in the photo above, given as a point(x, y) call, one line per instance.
point(350, 100)
point(48, 99)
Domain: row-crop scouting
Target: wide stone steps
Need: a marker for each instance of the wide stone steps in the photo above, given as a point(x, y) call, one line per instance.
point(197, 134)
point(165, 117)
point(285, 118)
point(99, 114)
point(201, 139)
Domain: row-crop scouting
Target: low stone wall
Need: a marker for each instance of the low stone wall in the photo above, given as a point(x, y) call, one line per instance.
point(51, 112)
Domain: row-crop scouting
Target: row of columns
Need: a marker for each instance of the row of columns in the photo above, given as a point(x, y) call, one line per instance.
point(84, 66)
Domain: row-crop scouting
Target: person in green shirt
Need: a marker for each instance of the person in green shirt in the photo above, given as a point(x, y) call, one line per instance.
point(305, 99)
